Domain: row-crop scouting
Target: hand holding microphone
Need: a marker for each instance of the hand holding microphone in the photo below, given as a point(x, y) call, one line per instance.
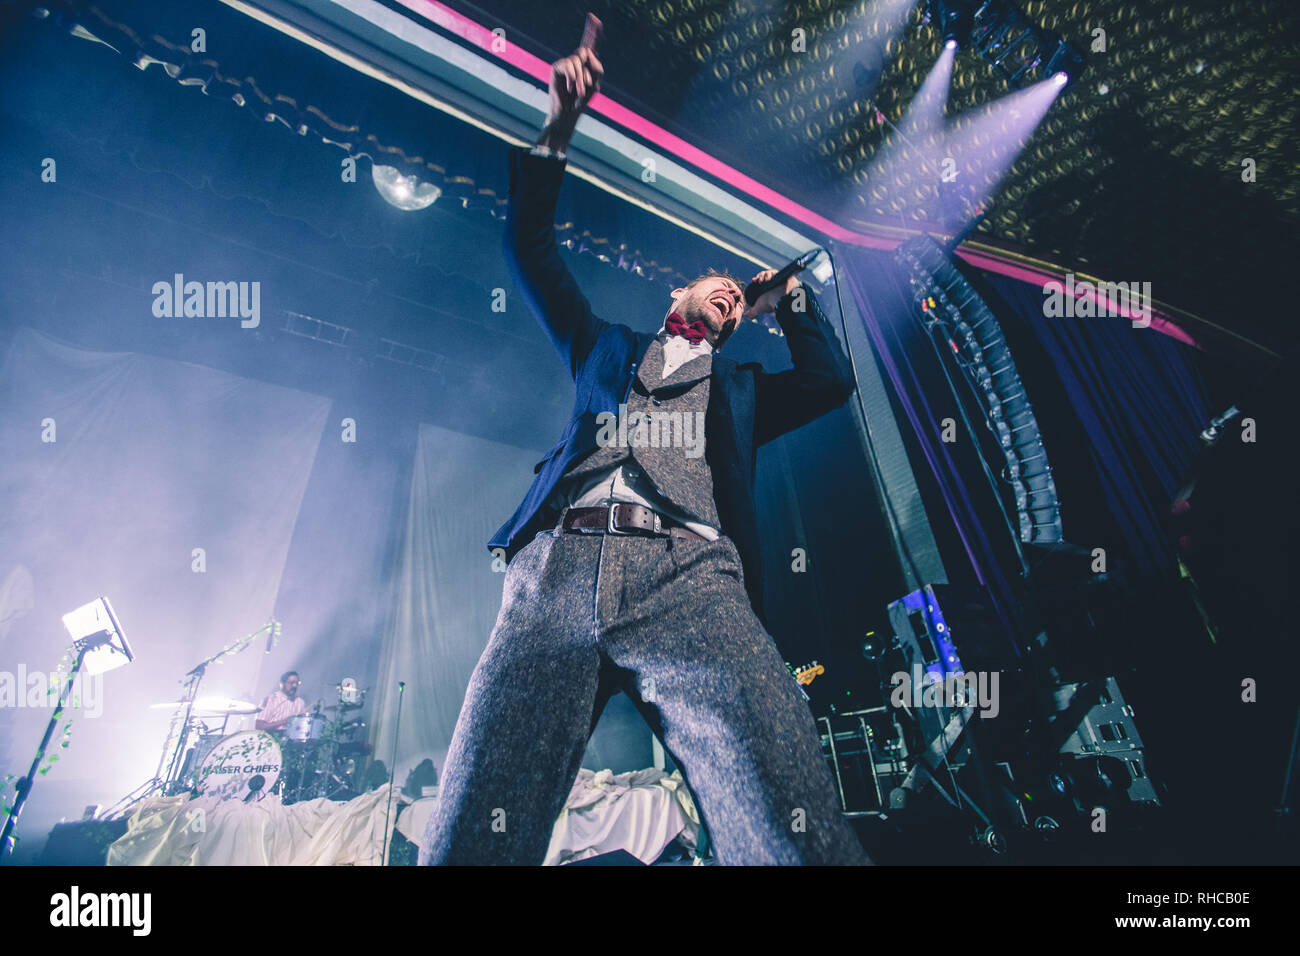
point(767, 287)
point(766, 301)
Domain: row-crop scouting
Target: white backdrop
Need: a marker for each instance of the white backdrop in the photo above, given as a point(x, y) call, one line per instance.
point(152, 458)
point(446, 592)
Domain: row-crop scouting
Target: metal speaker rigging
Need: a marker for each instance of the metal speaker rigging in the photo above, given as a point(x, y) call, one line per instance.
point(947, 300)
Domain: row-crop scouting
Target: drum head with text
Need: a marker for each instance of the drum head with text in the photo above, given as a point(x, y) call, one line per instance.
point(227, 771)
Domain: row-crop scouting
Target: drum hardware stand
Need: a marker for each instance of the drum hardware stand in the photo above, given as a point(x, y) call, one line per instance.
point(340, 785)
point(192, 680)
point(153, 784)
point(305, 754)
point(331, 783)
point(392, 769)
point(312, 758)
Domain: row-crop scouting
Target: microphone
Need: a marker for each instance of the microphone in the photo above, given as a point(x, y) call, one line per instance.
point(1214, 431)
point(754, 291)
point(273, 638)
point(255, 784)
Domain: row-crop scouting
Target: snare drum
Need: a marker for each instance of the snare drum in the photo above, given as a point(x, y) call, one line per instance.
point(304, 727)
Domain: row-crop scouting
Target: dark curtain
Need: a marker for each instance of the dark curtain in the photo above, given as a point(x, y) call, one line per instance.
point(1140, 400)
point(1120, 409)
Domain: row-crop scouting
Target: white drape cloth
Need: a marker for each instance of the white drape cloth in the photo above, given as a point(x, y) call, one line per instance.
point(446, 595)
point(640, 812)
point(205, 831)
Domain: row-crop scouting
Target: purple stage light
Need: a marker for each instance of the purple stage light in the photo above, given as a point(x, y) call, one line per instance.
point(985, 145)
point(905, 174)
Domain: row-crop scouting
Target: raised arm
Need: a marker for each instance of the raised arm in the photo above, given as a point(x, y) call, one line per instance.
point(820, 381)
point(530, 247)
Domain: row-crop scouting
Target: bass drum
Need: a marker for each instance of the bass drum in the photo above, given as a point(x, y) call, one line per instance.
point(231, 769)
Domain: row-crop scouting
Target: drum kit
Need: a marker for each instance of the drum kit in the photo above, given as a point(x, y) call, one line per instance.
point(316, 755)
point(322, 749)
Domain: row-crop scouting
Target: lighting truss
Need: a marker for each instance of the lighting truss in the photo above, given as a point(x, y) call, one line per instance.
point(1005, 38)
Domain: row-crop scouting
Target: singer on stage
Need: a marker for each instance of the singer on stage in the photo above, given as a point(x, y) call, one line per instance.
point(634, 562)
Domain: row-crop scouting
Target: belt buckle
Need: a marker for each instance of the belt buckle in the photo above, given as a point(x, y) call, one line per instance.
point(656, 528)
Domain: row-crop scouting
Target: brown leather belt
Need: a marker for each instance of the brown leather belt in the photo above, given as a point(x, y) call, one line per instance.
point(624, 518)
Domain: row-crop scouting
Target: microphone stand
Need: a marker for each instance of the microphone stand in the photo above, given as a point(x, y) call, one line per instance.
point(193, 678)
point(392, 769)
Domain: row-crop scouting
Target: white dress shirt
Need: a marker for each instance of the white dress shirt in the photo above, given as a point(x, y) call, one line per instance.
point(278, 707)
point(628, 483)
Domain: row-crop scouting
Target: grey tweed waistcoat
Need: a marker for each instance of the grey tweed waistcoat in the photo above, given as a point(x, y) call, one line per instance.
point(668, 442)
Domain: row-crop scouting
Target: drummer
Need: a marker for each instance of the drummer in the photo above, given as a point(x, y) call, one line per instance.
point(282, 704)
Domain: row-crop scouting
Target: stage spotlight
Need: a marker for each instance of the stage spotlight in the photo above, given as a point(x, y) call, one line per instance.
point(1064, 60)
point(1004, 37)
point(952, 18)
point(405, 192)
point(95, 631)
point(1061, 79)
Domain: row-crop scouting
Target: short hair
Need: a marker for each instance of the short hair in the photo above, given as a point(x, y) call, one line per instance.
point(717, 274)
point(287, 674)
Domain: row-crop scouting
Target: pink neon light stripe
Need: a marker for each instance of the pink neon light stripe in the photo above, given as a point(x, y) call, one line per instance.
point(1159, 321)
point(481, 37)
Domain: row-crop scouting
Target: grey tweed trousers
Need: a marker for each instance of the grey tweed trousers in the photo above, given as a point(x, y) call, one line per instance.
point(666, 620)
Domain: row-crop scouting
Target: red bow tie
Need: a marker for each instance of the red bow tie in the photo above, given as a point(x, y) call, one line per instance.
point(693, 332)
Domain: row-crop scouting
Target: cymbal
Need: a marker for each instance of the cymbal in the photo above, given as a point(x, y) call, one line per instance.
point(212, 706)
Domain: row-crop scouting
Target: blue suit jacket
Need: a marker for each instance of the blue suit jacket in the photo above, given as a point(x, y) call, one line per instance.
point(747, 406)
